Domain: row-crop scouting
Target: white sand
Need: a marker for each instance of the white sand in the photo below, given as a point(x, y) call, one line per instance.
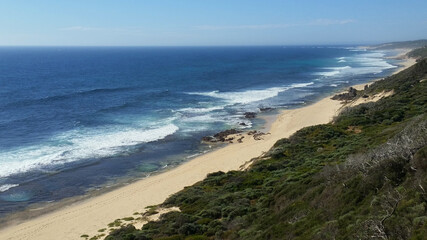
point(88, 216)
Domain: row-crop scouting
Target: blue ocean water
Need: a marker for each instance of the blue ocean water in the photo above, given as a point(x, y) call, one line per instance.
point(76, 118)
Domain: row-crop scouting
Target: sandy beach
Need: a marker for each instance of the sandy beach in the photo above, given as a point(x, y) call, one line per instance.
point(90, 215)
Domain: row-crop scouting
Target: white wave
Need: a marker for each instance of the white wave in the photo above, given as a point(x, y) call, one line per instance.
point(358, 50)
point(373, 54)
point(249, 96)
point(338, 68)
point(300, 85)
point(333, 85)
point(248, 124)
point(235, 120)
point(189, 127)
point(363, 63)
point(341, 59)
point(372, 62)
point(200, 110)
point(334, 71)
point(207, 118)
point(244, 97)
point(77, 145)
point(5, 187)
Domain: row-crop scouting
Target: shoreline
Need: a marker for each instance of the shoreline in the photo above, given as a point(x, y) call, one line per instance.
point(406, 63)
point(86, 216)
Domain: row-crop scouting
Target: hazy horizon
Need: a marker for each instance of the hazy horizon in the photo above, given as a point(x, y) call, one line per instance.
point(213, 46)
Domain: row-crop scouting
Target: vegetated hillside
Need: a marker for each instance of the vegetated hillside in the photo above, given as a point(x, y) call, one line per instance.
point(361, 177)
point(418, 53)
point(403, 44)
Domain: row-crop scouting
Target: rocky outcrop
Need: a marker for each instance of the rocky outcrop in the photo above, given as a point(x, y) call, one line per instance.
point(266, 109)
point(250, 115)
point(351, 94)
point(209, 139)
point(257, 134)
point(221, 136)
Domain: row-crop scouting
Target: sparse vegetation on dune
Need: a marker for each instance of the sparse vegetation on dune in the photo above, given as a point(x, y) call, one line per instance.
point(419, 53)
point(404, 44)
point(361, 177)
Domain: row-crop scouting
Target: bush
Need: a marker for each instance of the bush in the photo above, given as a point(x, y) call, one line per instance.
point(324, 182)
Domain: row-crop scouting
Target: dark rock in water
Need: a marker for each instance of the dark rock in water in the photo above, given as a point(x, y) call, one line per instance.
point(209, 139)
point(243, 124)
point(350, 95)
point(229, 139)
point(252, 132)
point(225, 133)
point(250, 115)
point(266, 109)
point(221, 136)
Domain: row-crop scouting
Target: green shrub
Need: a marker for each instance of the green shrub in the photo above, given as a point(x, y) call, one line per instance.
point(324, 182)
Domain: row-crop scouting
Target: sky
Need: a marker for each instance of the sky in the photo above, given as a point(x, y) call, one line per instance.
point(209, 22)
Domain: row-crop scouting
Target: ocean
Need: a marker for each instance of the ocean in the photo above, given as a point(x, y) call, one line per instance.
point(78, 119)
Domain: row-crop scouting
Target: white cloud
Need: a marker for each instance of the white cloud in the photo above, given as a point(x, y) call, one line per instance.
point(317, 22)
point(122, 30)
point(80, 28)
point(266, 26)
point(326, 22)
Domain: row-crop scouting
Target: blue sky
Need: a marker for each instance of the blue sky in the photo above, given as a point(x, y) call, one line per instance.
point(209, 22)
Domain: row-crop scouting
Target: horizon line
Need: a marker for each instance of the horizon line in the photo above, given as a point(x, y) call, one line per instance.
point(230, 45)
point(266, 45)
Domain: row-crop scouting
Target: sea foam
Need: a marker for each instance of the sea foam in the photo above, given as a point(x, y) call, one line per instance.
point(5, 187)
point(78, 145)
point(363, 63)
point(249, 96)
point(341, 59)
point(200, 110)
point(333, 71)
